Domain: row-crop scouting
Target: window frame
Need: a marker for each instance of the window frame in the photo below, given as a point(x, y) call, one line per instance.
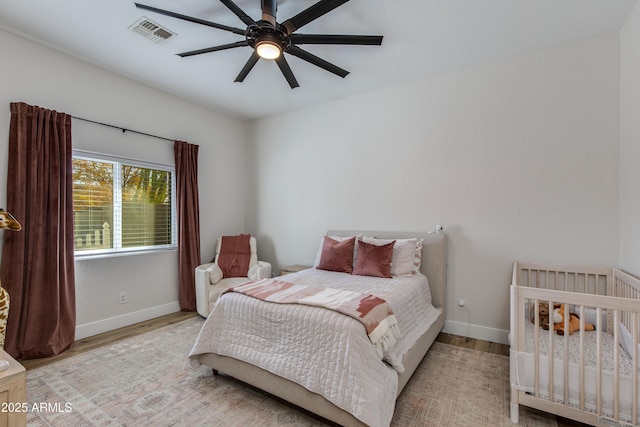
point(117, 249)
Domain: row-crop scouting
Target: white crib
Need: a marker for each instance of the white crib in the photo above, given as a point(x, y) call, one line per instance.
point(592, 376)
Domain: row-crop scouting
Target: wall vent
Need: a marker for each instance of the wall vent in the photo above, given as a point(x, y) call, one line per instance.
point(151, 30)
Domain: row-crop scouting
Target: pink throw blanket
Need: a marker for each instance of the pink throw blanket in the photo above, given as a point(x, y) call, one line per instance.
point(373, 312)
point(234, 256)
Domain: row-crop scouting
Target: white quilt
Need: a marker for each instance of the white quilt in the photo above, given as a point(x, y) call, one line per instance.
point(326, 352)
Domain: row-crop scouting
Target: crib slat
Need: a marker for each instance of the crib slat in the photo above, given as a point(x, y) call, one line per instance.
point(616, 366)
point(610, 291)
point(536, 357)
point(519, 307)
point(634, 405)
point(582, 358)
point(551, 358)
point(599, 362)
point(565, 363)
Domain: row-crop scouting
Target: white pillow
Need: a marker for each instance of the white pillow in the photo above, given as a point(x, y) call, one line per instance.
point(339, 239)
point(626, 340)
point(404, 253)
point(417, 261)
point(215, 273)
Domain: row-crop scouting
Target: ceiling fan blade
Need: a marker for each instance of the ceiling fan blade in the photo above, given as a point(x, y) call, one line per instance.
point(336, 39)
point(239, 12)
point(191, 19)
point(253, 59)
point(214, 48)
point(310, 14)
point(303, 54)
point(286, 70)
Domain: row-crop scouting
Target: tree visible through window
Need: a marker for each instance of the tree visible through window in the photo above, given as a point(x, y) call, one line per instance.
point(122, 205)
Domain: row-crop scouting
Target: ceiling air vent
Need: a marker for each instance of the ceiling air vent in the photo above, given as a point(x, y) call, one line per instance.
point(151, 30)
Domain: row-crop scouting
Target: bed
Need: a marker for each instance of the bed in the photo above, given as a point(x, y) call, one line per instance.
point(323, 361)
point(588, 376)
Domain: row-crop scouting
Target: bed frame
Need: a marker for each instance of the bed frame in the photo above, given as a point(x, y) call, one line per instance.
point(434, 266)
point(614, 297)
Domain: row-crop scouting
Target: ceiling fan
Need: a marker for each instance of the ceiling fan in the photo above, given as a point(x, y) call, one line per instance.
point(270, 39)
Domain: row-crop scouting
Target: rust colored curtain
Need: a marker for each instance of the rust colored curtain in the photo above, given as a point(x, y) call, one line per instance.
point(37, 267)
point(188, 207)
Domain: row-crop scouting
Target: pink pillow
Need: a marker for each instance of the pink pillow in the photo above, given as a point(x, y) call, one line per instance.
point(337, 256)
point(374, 260)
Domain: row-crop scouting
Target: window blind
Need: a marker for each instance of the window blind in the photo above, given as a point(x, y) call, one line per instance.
point(122, 205)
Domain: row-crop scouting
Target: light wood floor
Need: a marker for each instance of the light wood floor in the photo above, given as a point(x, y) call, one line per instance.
point(475, 344)
point(97, 341)
point(495, 348)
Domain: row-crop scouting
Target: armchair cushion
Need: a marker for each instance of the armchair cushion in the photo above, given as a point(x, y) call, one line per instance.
point(215, 273)
point(260, 270)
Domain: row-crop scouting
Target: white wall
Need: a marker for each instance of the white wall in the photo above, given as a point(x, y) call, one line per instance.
point(516, 158)
point(630, 143)
point(41, 76)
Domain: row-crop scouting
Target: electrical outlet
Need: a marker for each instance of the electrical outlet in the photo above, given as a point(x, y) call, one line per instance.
point(123, 297)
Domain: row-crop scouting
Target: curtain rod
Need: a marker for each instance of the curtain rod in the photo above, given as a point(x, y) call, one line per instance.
point(123, 129)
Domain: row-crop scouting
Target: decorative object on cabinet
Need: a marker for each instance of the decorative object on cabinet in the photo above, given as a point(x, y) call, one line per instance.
point(13, 392)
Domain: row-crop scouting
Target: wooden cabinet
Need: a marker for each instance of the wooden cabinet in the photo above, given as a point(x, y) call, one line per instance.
point(13, 393)
point(292, 269)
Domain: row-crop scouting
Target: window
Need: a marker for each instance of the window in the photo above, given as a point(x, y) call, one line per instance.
point(122, 205)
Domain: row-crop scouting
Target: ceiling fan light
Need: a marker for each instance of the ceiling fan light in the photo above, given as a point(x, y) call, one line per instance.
point(268, 50)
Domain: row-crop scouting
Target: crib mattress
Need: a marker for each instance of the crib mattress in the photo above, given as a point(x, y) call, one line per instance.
point(523, 365)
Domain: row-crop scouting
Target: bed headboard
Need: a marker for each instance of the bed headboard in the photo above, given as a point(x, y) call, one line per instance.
point(434, 257)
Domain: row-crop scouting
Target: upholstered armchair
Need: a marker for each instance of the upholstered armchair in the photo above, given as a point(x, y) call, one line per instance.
point(211, 280)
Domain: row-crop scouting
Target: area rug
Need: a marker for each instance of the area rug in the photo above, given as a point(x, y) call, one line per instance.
point(147, 380)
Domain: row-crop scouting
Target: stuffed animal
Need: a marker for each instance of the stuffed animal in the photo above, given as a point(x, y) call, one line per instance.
point(574, 321)
point(543, 314)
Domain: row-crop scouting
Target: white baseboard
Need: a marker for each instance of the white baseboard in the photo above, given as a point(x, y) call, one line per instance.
point(475, 331)
point(105, 325)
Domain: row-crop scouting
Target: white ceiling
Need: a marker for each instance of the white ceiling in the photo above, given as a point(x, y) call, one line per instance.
point(421, 38)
